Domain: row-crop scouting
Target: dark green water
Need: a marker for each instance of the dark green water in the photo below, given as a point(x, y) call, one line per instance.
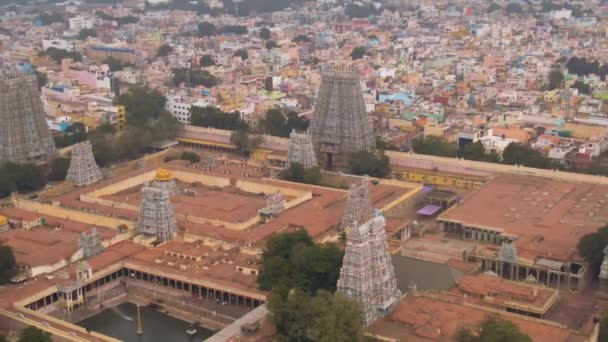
point(120, 322)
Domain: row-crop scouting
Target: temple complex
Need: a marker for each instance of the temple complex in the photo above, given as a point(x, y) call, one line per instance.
point(340, 125)
point(367, 275)
point(301, 150)
point(24, 134)
point(83, 168)
point(91, 244)
point(156, 215)
point(358, 206)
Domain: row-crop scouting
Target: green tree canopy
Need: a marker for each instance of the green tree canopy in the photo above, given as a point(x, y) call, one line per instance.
point(298, 173)
point(116, 64)
point(514, 8)
point(582, 87)
point(370, 163)
point(591, 247)
point(301, 38)
point(164, 50)
point(41, 78)
point(206, 61)
point(493, 329)
point(196, 77)
point(234, 29)
point(86, 33)
point(358, 52)
point(325, 317)
point(245, 143)
point(7, 264)
point(142, 104)
point(75, 133)
point(433, 145)
point(58, 169)
point(265, 33)
point(206, 29)
point(278, 124)
point(271, 44)
point(294, 260)
point(520, 154)
point(359, 11)
point(241, 53)
point(58, 54)
point(216, 118)
point(20, 177)
point(476, 151)
point(556, 77)
point(190, 156)
point(50, 18)
point(33, 334)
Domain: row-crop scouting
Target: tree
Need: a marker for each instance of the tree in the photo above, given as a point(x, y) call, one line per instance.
point(206, 61)
point(325, 317)
point(493, 329)
point(20, 177)
point(384, 145)
point(241, 53)
point(265, 33)
point(278, 124)
point(556, 77)
point(190, 156)
point(520, 154)
point(476, 151)
point(336, 319)
point(514, 8)
point(298, 173)
point(58, 169)
point(142, 104)
point(591, 247)
point(50, 18)
point(293, 260)
point(41, 79)
point(58, 54)
point(164, 50)
point(435, 146)
point(301, 38)
point(33, 334)
point(7, 264)
point(194, 77)
point(206, 29)
point(216, 118)
point(274, 123)
point(493, 7)
point(115, 64)
point(86, 33)
point(235, 29)
point(582, 87)
point(271, 44)
point(359, 11)
point(245, 143)
point(358, 52)
point(370, 163)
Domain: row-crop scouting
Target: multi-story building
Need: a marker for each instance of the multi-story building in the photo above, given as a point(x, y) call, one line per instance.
point(181, 106)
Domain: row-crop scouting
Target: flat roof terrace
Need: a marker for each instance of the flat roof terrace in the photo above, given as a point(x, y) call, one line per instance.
point(546, 217)
point(227, 198)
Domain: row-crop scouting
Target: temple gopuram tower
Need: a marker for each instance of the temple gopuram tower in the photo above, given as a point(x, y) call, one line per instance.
point(340, 125)
point(358, 206)
point(83, 168)
point(156, 214)
point(367, 275)
point(301, 150)
point(24, 134)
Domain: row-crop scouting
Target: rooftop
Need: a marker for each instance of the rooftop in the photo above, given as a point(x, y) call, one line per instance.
point(547, 216)
point(426, 318)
